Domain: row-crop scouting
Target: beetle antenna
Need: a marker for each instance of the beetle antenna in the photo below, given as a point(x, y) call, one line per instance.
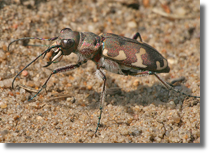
point(169, 87)
point(55, 46)
point(28, 38)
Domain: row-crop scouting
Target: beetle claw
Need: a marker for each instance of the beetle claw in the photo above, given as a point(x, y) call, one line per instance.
point(45, 54)
point(48, 64)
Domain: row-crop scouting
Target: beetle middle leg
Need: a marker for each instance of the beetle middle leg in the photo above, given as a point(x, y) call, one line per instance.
point(58, 70)
point(103, 94)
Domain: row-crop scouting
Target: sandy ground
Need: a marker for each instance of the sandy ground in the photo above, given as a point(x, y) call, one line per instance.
point(136, 109)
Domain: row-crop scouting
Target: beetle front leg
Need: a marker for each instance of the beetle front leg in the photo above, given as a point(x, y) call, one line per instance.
point(103, 94)
point(58, 70)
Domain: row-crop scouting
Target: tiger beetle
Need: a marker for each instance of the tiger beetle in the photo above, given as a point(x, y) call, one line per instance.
point(108, 51)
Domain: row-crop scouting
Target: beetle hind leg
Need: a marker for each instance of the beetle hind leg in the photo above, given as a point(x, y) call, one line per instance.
point(136, 36)
point(169, 87)
point(141, 73)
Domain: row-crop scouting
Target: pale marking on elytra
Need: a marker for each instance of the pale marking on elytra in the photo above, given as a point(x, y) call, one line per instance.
point(119, 57)
point(139, 62)
point(164, 65)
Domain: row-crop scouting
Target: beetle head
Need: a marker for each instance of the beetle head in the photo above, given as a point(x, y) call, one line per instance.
point(68, 41)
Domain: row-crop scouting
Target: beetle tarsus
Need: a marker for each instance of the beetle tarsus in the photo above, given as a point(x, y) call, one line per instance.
point(48, 64)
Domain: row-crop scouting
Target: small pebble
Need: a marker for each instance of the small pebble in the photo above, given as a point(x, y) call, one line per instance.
point(89, 87)
point(3, 105)
point(6, 83)
point(24, 73)
point(39, 118)
point(3, 56)
point(4, 132)
point(136, 83)
point(132, 24)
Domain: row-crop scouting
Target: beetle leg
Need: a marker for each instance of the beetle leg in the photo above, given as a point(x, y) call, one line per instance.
point(110, 65)
point(103, 94)
point(58, 70)
point(141, 73)
point(43, 53)
point(136, 36)
point(169, 87)
point(153, 73)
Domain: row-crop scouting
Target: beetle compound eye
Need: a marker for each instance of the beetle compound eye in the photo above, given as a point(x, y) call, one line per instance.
point(67, 43)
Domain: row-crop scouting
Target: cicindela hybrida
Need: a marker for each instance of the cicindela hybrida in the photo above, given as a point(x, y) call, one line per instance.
point(114, 53)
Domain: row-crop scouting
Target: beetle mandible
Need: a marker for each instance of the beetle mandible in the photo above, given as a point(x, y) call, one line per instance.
point(114, 53)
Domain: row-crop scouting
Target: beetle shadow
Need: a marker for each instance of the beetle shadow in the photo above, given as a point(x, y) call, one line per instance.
point(143, 95)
